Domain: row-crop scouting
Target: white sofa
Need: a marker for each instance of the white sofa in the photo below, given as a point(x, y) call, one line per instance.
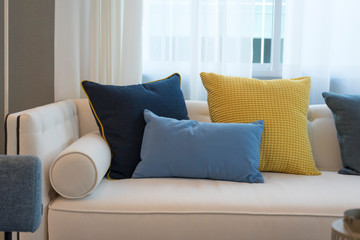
point(286, 206)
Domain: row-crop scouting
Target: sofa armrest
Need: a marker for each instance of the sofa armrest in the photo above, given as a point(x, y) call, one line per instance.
point(42, 132)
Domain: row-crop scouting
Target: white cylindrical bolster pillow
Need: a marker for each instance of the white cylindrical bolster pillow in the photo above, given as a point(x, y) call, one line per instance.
point(78, 169)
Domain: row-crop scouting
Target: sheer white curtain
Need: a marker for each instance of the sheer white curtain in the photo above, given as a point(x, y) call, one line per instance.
point(98, 40)
point(321, 40)
point(191, 36)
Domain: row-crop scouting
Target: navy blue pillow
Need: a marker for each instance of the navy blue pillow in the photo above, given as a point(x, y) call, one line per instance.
point(346, 112)
point(119, 110)
point(191, 149)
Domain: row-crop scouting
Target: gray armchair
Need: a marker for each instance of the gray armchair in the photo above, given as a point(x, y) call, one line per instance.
point(20, 194)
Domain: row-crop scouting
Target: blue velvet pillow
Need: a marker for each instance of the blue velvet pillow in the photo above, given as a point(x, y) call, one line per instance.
point(346, 112)
point(191, 149)
point(119, 110)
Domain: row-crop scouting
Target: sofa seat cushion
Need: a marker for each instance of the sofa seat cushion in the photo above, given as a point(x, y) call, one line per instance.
point(285, 207)
point(281, 194)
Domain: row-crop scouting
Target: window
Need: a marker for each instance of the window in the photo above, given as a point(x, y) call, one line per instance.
point(230, 37)
point(268, 38)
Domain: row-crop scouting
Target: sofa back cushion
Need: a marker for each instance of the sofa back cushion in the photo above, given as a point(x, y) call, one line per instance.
point(321, 129)
point(323, 138)
point(197, 110)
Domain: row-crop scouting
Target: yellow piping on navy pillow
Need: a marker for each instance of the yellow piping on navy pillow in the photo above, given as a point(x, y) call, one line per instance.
point(102, 128)
point(92, 107)
point(165, 78)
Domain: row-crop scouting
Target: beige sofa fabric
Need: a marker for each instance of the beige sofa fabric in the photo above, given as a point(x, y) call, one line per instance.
point(44, 132)
point(78, 169)
point(285, 207)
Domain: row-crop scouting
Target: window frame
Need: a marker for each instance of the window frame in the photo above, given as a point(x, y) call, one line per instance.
point(274, 68)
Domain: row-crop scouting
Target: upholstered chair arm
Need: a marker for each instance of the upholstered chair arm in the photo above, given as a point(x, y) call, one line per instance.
point(20, 193)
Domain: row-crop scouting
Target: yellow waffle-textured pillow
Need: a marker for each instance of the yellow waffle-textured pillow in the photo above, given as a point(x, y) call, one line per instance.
point(281, 103)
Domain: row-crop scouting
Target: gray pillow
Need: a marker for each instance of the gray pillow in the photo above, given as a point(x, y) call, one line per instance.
point(346, 112)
